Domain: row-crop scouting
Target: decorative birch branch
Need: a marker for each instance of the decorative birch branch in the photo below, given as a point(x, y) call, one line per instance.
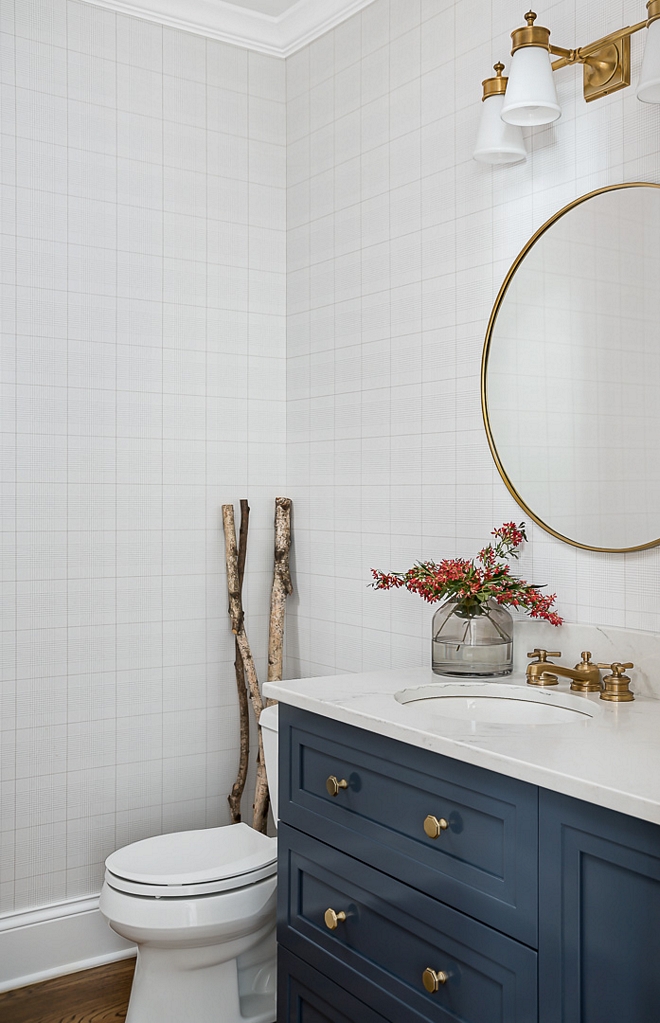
point(261, 798)
point(281, 589)
point(236, 793)
point(261, 793)
point(236, 609)
point(246, 673)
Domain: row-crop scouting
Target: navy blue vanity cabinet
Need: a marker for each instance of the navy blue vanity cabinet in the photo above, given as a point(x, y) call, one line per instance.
point(599, 899)
point(528, 907)
point(411, 909)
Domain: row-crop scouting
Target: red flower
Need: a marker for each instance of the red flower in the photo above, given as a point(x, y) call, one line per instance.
point(474, 582)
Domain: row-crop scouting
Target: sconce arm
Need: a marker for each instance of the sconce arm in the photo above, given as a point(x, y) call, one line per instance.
point(566, 56)
point(580, 55)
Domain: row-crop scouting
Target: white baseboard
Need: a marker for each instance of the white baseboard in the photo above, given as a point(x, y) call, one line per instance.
point(56, 940)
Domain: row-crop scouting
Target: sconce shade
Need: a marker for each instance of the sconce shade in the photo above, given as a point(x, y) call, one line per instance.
point(648, 89)
point(498, 142)
point(531, 97)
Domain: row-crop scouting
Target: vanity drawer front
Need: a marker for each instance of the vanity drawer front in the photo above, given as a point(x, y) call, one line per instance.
point(391, 935)
point(305, 996)
point(485, 861)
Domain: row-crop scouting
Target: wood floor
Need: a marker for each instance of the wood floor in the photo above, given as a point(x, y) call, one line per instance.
point(93, 996)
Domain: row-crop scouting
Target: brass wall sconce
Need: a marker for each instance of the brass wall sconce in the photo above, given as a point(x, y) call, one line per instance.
point(528, 97)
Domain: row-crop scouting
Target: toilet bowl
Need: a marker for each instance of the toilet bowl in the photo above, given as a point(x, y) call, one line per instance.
point(200, 906)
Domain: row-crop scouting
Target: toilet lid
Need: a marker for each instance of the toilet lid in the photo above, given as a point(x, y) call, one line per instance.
point(196, 857)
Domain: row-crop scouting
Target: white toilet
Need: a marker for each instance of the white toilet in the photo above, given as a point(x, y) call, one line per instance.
point(200, 906)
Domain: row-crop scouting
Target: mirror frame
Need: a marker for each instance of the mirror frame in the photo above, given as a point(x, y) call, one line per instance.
point(484, 369)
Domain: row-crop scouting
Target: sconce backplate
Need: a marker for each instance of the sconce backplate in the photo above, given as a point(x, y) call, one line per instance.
point(607, 69)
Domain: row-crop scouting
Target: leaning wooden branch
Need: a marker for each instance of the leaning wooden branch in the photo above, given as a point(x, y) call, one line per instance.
point(261, 801)
point(281, 589)
point(261, 793)
point(236, 609)
point(238, 787)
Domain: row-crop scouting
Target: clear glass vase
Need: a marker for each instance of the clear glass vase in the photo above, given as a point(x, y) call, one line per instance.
point(472, 639)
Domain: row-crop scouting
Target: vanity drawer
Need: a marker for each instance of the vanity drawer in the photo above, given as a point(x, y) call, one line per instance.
point(484, 863)
point(305, 996)
point(390, 935)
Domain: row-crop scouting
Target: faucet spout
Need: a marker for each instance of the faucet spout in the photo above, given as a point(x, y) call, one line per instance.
point(585, 676)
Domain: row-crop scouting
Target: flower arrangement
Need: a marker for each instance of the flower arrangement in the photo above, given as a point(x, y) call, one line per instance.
point(472, 584)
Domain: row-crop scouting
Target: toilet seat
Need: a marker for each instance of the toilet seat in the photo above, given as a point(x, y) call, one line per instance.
point(191, 863)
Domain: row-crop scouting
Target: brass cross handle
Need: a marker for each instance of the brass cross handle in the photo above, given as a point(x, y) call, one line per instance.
point(616, 687)
point(332, 919)
point(543, 655)
point(434, 826)
point(333, 785)
point(432, 979)
point(617, 667)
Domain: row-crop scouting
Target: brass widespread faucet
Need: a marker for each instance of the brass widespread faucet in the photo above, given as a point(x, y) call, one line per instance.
point(585, 676)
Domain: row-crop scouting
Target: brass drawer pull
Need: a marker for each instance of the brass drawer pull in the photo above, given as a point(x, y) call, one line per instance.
point(432, 979)
point(332, 919)
point(434, 826)
point(333, 785)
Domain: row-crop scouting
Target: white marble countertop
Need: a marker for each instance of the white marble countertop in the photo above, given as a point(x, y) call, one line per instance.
point(612, 759)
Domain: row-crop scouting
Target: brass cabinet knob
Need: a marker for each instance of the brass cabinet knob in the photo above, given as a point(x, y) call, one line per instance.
point(333, 785)
point(332, 919)
point(433, 826)
point(432, 979)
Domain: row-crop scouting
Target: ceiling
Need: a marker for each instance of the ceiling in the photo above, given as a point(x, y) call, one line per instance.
point(277, 27)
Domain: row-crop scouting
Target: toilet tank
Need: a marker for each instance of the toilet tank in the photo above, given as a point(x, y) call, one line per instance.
point(269, 726)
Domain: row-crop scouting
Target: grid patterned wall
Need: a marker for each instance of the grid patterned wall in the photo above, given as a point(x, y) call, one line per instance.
point(143, 385)
point(397, 245)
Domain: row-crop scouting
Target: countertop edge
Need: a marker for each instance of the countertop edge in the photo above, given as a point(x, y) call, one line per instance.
point(535, 774)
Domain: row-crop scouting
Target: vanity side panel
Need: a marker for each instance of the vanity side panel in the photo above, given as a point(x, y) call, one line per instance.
point(599, 915)
point(485, 863)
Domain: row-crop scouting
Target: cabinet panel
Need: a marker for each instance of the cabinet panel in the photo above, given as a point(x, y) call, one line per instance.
point(599, 941)
point(390, 935)
point(305, 996)
point(484, 863)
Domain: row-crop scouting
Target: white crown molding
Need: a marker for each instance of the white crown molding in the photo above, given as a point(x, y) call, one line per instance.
point(219, 19)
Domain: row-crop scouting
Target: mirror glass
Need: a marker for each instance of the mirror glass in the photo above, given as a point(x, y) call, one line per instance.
point(571, 372)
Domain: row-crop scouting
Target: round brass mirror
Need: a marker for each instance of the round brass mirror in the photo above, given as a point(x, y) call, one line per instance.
point(570, 374)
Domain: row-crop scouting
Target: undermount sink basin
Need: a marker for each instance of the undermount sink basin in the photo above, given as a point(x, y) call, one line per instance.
point(494, 703)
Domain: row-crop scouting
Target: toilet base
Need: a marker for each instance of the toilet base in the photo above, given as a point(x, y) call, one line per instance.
point(172, 985)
